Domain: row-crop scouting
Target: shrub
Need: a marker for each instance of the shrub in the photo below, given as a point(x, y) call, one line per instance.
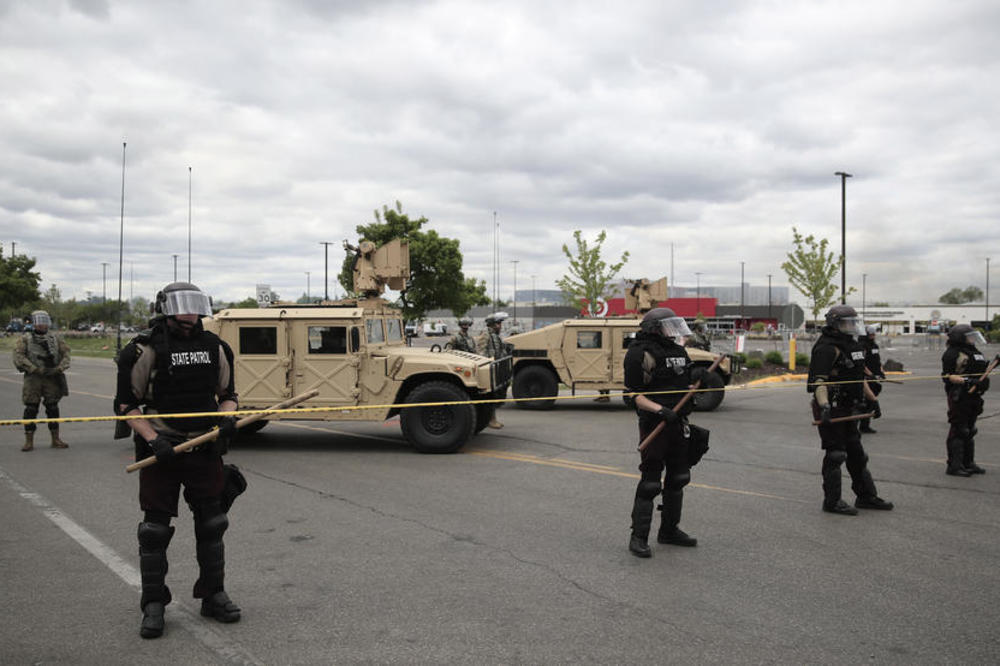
point(753, 363)
point(774, 358)
point(741, 357)
point(801, 360)
point(757, 327)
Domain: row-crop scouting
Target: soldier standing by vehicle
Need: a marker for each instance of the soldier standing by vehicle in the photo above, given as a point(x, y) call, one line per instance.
point(699, 338)
point(178, 367)
point(873, 372)
point(462, 341)
point(656, 361)
point(491, 346)
point(43, 357)
point(836, 380)
point(961, 366)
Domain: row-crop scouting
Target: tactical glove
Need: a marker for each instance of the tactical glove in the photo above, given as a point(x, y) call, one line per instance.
point(227, 432)
point(163, 448)
point(668, 416)
point(877, 409)
point(824, 414)
point(983, 385)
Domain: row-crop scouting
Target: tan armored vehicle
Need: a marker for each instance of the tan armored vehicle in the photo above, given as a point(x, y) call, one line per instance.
point(589, 353)
point(354, 351)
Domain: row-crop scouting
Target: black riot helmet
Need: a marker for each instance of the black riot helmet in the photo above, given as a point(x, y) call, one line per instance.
point(963, 334)
point(179, 298)
point(844, 319)
point(665, 322)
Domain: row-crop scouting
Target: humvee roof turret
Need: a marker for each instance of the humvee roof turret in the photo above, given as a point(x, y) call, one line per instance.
point(354, 352)
point(588, 354)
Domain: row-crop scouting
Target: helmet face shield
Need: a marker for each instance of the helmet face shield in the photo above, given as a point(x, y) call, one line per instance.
point(40, 318)
point(186, 302)
point(674, 327)
point(974, 337)
point(851, 326)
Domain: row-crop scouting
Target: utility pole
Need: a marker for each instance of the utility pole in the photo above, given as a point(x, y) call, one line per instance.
point(326, 269)
point(987, 290)
point(864, 286)
point(308, 294)
point(843, 234)
point(189, 224)
point(768, 295)
point(175, 267)
point(104, 280)
point(13, 248)
point(742, 290)
point(697, 294)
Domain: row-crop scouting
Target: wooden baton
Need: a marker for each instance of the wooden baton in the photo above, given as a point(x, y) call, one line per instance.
point(852, 417)
point(989, 369)
point(213, 434)
point(676, 408)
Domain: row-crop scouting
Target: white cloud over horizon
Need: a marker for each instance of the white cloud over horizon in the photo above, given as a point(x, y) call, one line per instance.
point(715, 127)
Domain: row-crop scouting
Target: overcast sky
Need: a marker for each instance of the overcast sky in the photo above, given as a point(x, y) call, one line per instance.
point(715, 126)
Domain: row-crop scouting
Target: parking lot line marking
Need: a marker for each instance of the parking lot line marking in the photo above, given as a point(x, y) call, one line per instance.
point(210, 638)
point(555, 462)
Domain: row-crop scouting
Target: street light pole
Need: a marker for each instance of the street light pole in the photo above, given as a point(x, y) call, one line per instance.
point(864, 284)
point(768, 295)
point(326, 269)
point(741, 294)
point(843, 234)
point(189, 224)
point(308, 293)
point(104, 280)
point(514, 300)
point(175, 266)
point(697, 294)
point(987, 291)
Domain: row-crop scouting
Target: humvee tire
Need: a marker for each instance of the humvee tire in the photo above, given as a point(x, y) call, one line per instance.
point(706, 401)
point(535, 381)
point(483, 414)
point(439, 428)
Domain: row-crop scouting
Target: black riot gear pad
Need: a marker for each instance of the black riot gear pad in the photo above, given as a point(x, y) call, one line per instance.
point(234, 484)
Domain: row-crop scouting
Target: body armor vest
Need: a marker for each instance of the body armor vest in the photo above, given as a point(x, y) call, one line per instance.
point(42, 350)
point(849, 366)
point(185, 377)
point(672, 372)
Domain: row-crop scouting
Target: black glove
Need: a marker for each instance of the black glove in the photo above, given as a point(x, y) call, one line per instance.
point(878, 409)
point(983, 385)
point(824, 414)
point(227, 433)
point(163, 448)
point(668, 416)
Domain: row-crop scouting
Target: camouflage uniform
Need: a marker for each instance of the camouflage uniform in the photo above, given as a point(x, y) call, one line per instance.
point(43, 358)
point(491, 346)
point(462, 341)
point(699, 339)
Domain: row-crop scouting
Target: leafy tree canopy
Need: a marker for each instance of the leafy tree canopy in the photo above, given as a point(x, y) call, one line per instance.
point(18, 283)
point(589, 277)
point(810, 268)
point(959, 296)
point(436, 278)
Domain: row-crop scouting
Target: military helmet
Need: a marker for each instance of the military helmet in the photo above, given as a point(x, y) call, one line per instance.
point(496, 317)
point(665, 322)
point(964, 334)
point(40, 318)
point(465, 321)
point(845, 319)
point(870, 330)
point(179, 298)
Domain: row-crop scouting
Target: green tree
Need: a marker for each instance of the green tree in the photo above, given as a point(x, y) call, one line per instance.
point(810, 268)
point(18, 284)
point(248, 302)
point(958, 296)
point(589, 277)
point(436, 278)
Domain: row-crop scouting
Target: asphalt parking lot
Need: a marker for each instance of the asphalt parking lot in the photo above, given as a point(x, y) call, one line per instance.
point(349, 547)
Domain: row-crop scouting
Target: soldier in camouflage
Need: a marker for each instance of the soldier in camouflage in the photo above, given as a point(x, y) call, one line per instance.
point(43, 358)
point(490, 345)
point(462, 341)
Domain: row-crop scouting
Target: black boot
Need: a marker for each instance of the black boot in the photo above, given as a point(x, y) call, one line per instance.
point(642, 518)
point(841, 507)
point(873, 502)
point(956, 457)
point(221, 607)
point(969, 457)
point(153, 541)
point(670, 517)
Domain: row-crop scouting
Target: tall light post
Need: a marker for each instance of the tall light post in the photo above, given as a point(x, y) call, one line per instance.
point(175, 266)
point(864, 286)
point(843, 234)
point(13, 248)
point(742, 291)
point(189, 224)
point(768, 295)
point(326, 269)
point(514, 300)
point(697, 294)
point(987, 291)
point(104, 280)
point(308, 293)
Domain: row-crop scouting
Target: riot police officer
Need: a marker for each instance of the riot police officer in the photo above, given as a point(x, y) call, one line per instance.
point(656, 361)
point(43, 357)
point(836, 380)
point(873, 372)
point(961, 367)
point(490, 345)
point(462, 341)
point(178, 367)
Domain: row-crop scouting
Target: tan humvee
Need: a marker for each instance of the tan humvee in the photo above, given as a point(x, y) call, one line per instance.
point(354, 351)
point(588, 354)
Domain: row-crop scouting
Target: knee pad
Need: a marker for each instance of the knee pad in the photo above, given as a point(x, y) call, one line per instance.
point(30, 411)
point(154, 536)
point(836, 457)
point(648, 489)
point(52, 411)
point(678, 481)
point(210, 523)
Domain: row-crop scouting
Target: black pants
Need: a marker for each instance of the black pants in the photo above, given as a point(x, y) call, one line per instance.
point(665, 458)
point(963, 410)
point(842, 443)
